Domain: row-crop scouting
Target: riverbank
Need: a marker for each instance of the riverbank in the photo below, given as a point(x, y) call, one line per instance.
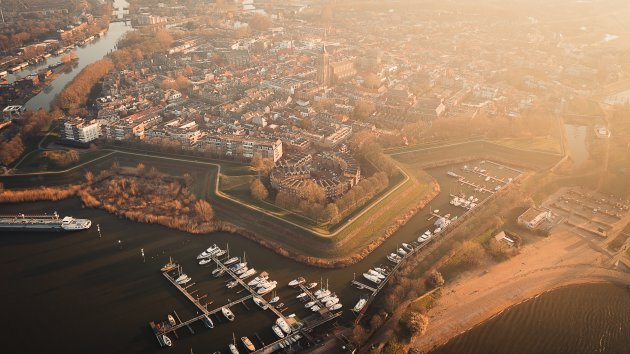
point(562, 259)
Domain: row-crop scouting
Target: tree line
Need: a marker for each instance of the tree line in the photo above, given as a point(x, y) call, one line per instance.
point(75, 95)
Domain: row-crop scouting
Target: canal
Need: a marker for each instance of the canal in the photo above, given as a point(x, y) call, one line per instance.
point(87, 55)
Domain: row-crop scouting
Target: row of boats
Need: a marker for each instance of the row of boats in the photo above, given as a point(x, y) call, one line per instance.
point(463, 202)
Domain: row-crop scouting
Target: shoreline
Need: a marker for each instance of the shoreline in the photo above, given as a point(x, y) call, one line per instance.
point(566, 260)
point(216, 225)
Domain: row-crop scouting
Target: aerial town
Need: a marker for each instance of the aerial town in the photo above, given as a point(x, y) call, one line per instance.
point(312, 138)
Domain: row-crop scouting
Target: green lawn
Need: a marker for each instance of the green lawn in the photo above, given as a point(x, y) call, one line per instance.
point(541, 144)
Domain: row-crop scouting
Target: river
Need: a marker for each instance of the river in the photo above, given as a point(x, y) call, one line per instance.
point(95, 292)
point(591, 318)
point(89, 54)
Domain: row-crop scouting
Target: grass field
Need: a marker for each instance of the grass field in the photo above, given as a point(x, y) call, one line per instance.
point(539, 144)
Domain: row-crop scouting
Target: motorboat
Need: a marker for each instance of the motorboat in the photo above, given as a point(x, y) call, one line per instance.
point(401, 251)
point(232, 284)
point(209, 252)
point(262, 277)
point(278, 331)
point(323, 294)
point(407, 247)
point(182, 279)
point(205, 261)
point(376, 274)
point(167, 341)
point(262, 284)
point(248, 344)
point(280, 305)
point(309, 304)
point(311, 286)
point(268, 288)
point(207, 321)
point(284, 326)
point(336, 307)
point(274, 299)
point(301, 296)
point(332, 302)
point(359, 306)
point(327, 298)
point(315, 308)
point(393, 258)
point(220, 253)
point(372, 278)
point(258, 301)
point(238, 266)
point(227, 313)
point(231, 261)
point(241, 270)
point(381, 270)
point(233, 349)
point(248, 273)
point(218, 272)
point(296, 282)
point(171, 320)
point(169, 266)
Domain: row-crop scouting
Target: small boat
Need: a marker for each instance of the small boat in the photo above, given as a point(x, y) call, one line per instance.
point(393, 258)
point(323, 294)
point(227, 313)
point(207, 321)
point(274, 299)
point(280, 305)
point(218, 272)
point(169, 266)
point(311, 286)
point(278, 331)
point(231, 261)
point(376, 274)
point(248, 344)
point(372, 278)
point(238, 266)
point(262, 277)
point(167, 341)
point(183, 279)
point(171, 320)
point(233, 349)
point(332, 302)
point(296, 282)
point(268, 288)
point(232, 284)
point(262, 284)
point(381, 270)
point(284, 326)
point(328, 298)
point(407, 247)
point(359, 306)
point(336, 307)
point(402, 252)
point(205, 261)
point(220, 253)
point(241, 270)
point(248, 273)
point(301, 296)
point(258, 301)
point(315, 308)
point(309, 304)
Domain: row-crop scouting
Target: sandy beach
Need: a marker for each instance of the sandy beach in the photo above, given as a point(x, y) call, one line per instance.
point(562, 259)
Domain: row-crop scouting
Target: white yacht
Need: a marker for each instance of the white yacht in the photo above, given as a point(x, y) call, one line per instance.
point(327, 298)
point(227, 313)
point(231, 261)
point(171, 320)
point(402, 252)
point(315, 308)
point(167, 341)
point(376, 274)
point(381, 270)
point(296, 282)
point(274, 299)
point(336, 307)
point(262, 277)
point(218, 272)
point(241, 270)
point(311, 286)
point(372, 278)
point(278, 331)
point(407, 247)
point(205, 261)
point(183, 279)
point(268, 288)
point(309, 304)
point(207, 321)
point(284, 326)
point(330, 303)
point(209, 252)
point(323, 294)
point(359, 306)
point(258, 301)
point(301, 296)
point(248, 273)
